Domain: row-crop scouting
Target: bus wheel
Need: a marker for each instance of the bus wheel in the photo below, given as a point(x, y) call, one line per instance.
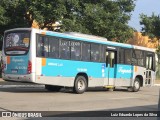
point(52, 88)
point(136, 86)
point(80, 85)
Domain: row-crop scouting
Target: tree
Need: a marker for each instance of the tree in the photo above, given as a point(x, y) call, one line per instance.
point(151, 26)
point(106, 18)
point(3, 21)
point(21, 13)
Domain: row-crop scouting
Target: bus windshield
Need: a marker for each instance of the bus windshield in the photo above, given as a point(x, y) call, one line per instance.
point(16, 42)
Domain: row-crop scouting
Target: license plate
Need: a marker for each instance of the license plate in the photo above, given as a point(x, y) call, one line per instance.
point(14, 71)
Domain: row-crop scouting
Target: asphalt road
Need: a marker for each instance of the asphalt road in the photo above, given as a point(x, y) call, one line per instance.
point(30, 97)
point(39, 99)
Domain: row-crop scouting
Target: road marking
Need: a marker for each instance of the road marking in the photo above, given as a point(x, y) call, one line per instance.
point(156, 84)
point(123, 98)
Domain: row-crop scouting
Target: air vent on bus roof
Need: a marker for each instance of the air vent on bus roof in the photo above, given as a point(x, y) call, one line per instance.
point(76, 34)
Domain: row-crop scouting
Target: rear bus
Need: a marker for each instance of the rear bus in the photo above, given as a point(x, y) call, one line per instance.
point(16, 55)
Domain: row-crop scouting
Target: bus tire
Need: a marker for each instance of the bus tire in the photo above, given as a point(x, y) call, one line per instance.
point(80, 85)
point(136, 86)
point(52, 88)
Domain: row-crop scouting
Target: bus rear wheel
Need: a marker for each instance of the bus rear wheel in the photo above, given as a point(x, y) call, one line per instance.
point(52, 88)
point(136, 86)
point(80, 85)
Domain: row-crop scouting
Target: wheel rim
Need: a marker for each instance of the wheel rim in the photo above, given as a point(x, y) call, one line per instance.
point(81, 85)
point(136, 84)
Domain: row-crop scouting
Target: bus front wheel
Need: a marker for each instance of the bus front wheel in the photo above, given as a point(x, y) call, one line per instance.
point(80, 85)
point(136, 86)
point(52, 88)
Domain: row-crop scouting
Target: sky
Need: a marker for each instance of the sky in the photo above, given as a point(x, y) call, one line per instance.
point(146, 7)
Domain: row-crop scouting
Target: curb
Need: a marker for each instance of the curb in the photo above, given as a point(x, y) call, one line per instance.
point(21, 86)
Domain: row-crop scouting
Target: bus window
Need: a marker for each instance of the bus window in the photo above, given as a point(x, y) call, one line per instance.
point(138, 58)
point(53, 47)
point(16, 42)
point(86, 52)
point(95, 52)
point(107, 54)
point(64, 49)
point(42, 46)
point(127, 56)
point(121, 56)
point(75, 50)
point(149, 63)
point(46, 47)
point(112, 59)
point(102, 54)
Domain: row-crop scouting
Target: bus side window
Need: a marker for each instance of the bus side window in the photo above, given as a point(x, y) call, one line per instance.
point(107, 57)
point(64, 49)
point(149, 62)
point(147, 65)
point(138, 57)
point(75, 50)
point(112, 59)
point(46, 47)
point(121, 56)
point(42, 46)
point(95, 52)
point(86, 51)
point(127, 56)
point(53, 47)
point(39, 46)
point(102, 59)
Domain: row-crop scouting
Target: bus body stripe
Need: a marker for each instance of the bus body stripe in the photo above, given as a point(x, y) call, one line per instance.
point(43, 61)
point(8, 60)
point(135, 68)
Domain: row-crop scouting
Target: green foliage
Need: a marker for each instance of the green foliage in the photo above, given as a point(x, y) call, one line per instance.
point(3, 19)
point(151, 27)
point(158, 49)
point(107, 18)
point(100, 17)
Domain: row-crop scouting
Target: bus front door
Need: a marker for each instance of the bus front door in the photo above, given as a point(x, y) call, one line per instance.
point(149, 70)
point(110, 67)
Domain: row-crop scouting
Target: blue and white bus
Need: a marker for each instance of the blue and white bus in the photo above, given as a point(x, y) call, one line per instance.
point(74, 60)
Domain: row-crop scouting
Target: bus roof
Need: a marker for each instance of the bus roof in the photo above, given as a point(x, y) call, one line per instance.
point(85, 37)
point(144, 48)
point(76, 34)
point(18, 29)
